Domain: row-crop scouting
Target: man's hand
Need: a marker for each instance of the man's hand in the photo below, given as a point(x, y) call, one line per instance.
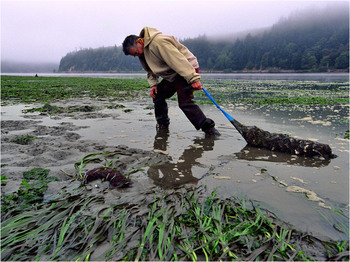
point(197, 85)
point(153, 92)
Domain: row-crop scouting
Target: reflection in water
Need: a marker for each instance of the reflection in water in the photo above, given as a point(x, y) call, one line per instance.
point(169, 174)
point(256, 154)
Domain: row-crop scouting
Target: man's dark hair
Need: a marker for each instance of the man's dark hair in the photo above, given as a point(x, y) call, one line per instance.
point(129, 42)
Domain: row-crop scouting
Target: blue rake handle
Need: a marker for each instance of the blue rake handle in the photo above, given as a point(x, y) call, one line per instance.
point(234, 122)
point(230, 118)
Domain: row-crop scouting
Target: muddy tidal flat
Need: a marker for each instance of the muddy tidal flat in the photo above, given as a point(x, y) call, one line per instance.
point(68, 126)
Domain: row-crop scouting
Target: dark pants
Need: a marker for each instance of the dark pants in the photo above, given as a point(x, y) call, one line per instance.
point(185, 97)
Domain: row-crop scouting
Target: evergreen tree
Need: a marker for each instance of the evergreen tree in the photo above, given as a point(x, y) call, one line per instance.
point(301, 42)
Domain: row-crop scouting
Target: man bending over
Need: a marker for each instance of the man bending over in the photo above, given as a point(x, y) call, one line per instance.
point(163, 56)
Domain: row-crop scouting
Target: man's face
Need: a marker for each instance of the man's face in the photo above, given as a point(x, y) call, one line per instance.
point(136, 50)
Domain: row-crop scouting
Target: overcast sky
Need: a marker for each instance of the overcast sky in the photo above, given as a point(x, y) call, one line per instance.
point(45, 31)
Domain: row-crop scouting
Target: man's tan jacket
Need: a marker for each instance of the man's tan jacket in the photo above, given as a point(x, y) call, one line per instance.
point(165, 57)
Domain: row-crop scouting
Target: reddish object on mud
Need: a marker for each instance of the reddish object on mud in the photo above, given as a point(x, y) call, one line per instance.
point(115, 178)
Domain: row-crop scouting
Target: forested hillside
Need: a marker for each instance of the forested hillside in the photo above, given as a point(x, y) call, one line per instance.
point(313, 42)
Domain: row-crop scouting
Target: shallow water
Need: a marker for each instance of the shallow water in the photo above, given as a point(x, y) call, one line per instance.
point(320, 77)
point(227, 164)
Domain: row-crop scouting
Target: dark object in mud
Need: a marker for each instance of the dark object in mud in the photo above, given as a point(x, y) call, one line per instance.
point(115, 178)
point(257, 137)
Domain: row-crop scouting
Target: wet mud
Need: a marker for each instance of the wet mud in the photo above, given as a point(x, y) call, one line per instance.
point(281, 183)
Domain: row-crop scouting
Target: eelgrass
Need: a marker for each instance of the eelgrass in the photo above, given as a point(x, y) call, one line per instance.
point(181, 224)
point(167, 225)
point(272, 92)
point(27, 89)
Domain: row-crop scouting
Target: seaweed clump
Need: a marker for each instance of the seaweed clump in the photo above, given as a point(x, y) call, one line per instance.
point(257, 137)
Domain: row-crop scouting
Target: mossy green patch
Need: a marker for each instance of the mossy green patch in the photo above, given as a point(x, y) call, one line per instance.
point(51, 110)
point(24, 140)
point(118, 106)
point(31, 191)
point(305, 100)
point(3, 180)
point(46, 89)
point(273, 92)
point(46, 108)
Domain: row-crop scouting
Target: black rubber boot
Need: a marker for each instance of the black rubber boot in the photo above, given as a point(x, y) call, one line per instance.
point(212, 132)
point(208, 127)
point(162, 128)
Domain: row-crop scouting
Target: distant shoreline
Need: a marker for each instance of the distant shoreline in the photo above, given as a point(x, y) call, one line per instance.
point(202, 72)
point(270, 70)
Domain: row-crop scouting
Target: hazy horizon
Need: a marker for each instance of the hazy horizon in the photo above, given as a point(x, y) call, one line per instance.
point(45, 31)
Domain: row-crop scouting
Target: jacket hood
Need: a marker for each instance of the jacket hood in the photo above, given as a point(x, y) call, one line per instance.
point(148, 33)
